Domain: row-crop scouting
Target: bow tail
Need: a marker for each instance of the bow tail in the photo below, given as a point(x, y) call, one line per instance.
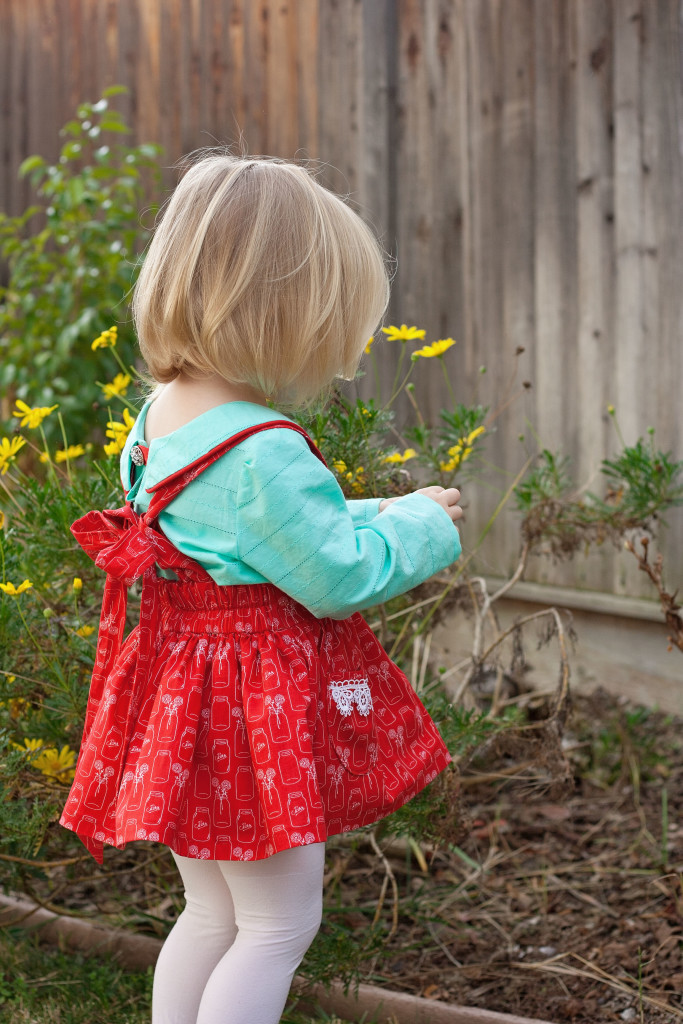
point(110, 635)
point(147, 632)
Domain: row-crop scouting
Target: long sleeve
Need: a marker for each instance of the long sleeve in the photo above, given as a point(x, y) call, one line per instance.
point(295, 528)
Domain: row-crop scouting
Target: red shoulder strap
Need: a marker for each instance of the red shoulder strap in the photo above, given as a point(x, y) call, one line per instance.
point(167, 489)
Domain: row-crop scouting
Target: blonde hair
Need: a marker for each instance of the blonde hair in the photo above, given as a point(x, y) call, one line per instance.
point(261, 275)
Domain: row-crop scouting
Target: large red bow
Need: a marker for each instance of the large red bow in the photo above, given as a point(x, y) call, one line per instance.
point(127, 546)
point(124, 543)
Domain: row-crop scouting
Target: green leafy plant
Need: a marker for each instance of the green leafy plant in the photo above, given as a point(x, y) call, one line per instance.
point(72, 260)
point(642, 483)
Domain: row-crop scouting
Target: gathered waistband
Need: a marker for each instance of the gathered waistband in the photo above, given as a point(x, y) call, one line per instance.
point(200, 606)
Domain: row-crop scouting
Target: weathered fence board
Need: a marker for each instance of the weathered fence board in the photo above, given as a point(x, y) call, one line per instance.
point(521, 159)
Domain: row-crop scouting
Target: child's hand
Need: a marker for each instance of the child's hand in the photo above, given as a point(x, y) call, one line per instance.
point(447, 497)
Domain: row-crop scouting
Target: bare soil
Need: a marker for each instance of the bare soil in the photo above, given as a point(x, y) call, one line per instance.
point(566, 911)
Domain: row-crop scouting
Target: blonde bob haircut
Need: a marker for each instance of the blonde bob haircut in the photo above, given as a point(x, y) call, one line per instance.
point(259, 274)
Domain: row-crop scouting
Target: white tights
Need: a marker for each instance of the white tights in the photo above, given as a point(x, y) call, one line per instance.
point(231, 955)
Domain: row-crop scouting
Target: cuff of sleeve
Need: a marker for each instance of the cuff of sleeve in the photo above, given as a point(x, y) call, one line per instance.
point(443, 535)
point(363, 510)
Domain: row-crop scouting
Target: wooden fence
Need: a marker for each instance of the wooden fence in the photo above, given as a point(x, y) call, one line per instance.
point(522, 159)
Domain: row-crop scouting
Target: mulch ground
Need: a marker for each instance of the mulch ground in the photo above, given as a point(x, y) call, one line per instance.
point(568, 911)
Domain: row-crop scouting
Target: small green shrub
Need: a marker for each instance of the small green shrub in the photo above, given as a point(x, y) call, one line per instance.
point(72, 261)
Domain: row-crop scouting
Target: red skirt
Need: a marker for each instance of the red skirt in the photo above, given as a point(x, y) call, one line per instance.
point(256, 728)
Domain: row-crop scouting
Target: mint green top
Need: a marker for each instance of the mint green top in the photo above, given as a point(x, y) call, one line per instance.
point(268, 511)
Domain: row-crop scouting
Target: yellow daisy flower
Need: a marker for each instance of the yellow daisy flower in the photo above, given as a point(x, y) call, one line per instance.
point(107, 339)
point(369, 345)
point(56, 764)
point(2, 520)
point(116, 446)
point(8, 452)
point(116, 428)
point(118, 432)
point(437, 348)
point(12, 591)
point(32, 417)
point(33, 746)
point(77, 584)
point(409, 453)
point(461, 451)
point(403, 333)
point(72, 452)
point(85, 631)
point(118, 386)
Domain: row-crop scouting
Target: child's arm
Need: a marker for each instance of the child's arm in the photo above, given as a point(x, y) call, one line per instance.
point(295, 529)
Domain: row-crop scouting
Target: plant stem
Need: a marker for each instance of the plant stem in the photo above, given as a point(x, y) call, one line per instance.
point(397, 392)
point(448, 381)
point(66, 446)
point(397, 374)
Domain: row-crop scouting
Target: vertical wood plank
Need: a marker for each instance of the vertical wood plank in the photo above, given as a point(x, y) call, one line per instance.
point(21, 15)
point(631, 370)
point(127, 59)
point(485, 102)
point(553, 216)
point(170, 85)
point(594, 382)
point(663, 102)
point(217, 66)
point(5, 66)
point(106, 42)
point(234, 115)
point(43, 63)
point(306, 59)
point(555, 236)
point(377, 156)
point(190, 74)
point(256, 40)
point(340, 74)
point(148, 127)
point(282, 84)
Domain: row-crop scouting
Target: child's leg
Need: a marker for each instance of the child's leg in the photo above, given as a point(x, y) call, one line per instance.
point(278, 907)
point(201, 935)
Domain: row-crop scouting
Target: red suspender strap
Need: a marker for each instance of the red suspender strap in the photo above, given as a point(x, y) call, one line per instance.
point(167, 489)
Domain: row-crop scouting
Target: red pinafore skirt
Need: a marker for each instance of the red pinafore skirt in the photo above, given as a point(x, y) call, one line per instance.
point(231, 723)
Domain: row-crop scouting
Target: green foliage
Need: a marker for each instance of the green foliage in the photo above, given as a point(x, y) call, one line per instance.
point(434, 815)
point(641, 484)
point(452, 447)
point(72, 260)
point(547, 481)
point(643, 481)
point(352, 435)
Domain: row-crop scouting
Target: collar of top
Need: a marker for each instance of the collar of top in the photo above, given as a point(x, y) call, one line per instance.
point(167, 455)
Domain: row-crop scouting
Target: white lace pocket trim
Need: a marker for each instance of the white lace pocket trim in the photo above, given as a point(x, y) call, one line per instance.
point(349, 692)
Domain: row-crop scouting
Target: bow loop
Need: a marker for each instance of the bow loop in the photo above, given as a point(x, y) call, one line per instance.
point(118, 541)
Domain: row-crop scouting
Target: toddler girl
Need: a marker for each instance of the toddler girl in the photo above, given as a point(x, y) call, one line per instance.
point(251, 713)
